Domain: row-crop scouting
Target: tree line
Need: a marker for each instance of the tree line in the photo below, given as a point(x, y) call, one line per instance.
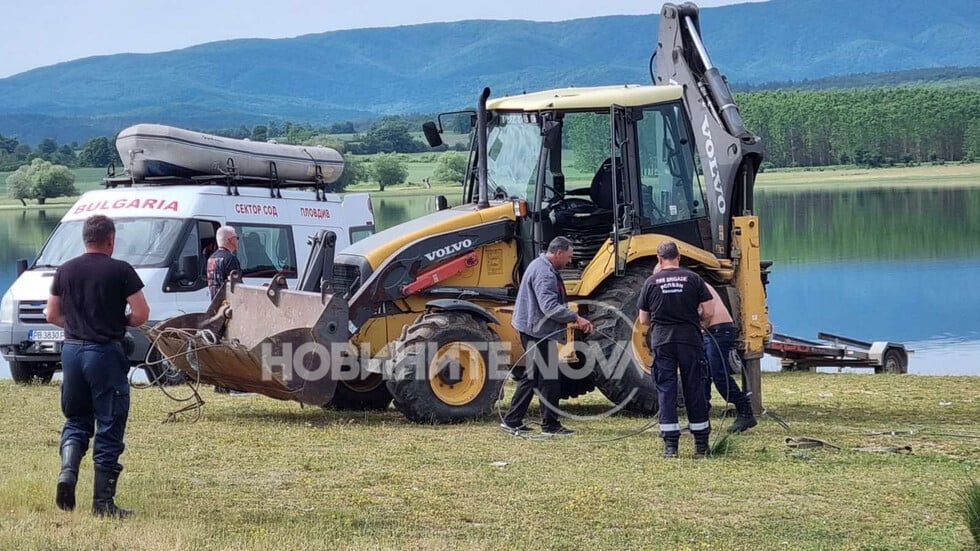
point(869, 127)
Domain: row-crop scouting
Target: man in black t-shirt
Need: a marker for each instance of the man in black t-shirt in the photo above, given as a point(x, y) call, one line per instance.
point(89, 295)
point(670, 300)
point(223, 261)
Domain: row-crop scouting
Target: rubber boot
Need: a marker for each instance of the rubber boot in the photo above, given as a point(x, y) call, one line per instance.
point(745, 418)
point(670, 447)
point(103, 504)
point(701, 447)
point(71, 457)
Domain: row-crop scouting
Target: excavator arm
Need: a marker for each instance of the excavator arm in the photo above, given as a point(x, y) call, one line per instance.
point(730, 154)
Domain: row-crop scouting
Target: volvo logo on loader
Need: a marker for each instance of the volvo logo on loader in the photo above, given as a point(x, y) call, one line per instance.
point(709, 147)
point(449, 249)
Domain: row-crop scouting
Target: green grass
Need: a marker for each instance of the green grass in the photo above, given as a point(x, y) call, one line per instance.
point(971, 511)
point(256, 473)
point(421, 166)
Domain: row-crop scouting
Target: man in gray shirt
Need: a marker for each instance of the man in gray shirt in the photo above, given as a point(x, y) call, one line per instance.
point(540, 316)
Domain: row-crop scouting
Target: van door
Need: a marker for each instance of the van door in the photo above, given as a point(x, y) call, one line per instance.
point(187, 277)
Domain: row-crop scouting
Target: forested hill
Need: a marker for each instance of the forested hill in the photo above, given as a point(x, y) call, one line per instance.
point(424, 68)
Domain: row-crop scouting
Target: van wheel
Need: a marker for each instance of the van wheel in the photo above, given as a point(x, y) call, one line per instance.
point(27, 373)
point(164, 374)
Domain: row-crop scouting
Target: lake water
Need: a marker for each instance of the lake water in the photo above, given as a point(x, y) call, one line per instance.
point(875, 264)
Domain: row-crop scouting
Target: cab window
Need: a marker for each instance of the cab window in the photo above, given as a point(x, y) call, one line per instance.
point(670, 190)
point(264, 250)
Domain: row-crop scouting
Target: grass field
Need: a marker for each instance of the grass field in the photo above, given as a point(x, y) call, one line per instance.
point(949, 175)
point(260, 474)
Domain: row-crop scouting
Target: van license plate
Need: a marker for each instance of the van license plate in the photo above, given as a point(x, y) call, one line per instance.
point(46, 335)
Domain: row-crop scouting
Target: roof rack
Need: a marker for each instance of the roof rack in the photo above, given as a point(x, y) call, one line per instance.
point(229, 177)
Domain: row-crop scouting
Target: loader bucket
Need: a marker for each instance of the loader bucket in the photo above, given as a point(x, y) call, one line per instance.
point(261, 339)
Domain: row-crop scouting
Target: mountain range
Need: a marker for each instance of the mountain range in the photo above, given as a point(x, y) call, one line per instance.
point(351, 74)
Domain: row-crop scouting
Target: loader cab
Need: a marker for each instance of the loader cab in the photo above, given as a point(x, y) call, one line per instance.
point(594, 169)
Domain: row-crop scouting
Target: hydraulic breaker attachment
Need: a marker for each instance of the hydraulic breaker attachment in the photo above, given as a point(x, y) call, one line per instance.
point(264, 339)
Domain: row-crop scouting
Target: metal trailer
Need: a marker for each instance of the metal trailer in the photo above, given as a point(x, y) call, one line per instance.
point(838, 351)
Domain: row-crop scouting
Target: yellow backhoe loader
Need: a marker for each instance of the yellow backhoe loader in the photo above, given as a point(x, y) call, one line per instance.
point(420, 313)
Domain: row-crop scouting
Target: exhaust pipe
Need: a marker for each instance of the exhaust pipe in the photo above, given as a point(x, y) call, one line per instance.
point(481, 150)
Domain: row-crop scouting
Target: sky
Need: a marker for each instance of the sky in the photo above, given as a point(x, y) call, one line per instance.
point(44, 32)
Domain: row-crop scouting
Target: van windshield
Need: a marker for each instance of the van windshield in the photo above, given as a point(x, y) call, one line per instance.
point(142, 242)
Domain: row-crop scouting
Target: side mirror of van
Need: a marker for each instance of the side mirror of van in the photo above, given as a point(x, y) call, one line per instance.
point(21, 266)
point(188, 271)
point(441, 202)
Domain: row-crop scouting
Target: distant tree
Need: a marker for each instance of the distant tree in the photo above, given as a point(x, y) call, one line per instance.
point(260, 133)
point(41, 180)
point(98, 152)
point(47, 148)
point(588, 134)
point(355, 171)
point(451, 167)
point(22, 151)
point(972, 140)
point(273, 130)
point(346, 127)
point(391, 136)
point(388, 170)
point(8, 145)
point(19, 185)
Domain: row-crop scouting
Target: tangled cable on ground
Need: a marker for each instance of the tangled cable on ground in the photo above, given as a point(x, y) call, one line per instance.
point(189, 353)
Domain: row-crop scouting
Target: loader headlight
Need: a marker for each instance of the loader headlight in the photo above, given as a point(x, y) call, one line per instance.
point(7, 308)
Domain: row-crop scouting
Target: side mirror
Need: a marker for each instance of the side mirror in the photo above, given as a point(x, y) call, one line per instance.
point(431, 132)
point(551, 130)
point(189, 268)
point(441, 202)
point(21, 266)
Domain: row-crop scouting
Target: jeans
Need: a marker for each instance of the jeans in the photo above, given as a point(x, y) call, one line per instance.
point(718, 342)
point(95, 399)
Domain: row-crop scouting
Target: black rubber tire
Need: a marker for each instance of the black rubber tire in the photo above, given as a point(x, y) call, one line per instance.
point(27, 373)
point(348, 398)
point(621, 293)
point(167, 377)
point(413, 395)
point(894, 361)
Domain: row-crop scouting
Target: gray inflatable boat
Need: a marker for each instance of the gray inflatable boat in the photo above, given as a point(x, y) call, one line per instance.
point(158, 151)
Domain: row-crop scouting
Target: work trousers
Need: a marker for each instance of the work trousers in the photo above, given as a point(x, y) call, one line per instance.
point(541, 357)
point(689, 360)
point(95, 399)
point(718, 342)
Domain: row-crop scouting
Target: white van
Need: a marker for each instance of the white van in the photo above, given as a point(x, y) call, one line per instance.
point(167, 234)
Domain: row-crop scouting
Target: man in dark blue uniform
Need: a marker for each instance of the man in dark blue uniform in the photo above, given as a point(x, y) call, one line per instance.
point(670, 301)
point(89, 295)
point(223, 261)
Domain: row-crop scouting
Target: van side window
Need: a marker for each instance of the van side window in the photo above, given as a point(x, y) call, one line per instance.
point(264, 250)
point(360, 232)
